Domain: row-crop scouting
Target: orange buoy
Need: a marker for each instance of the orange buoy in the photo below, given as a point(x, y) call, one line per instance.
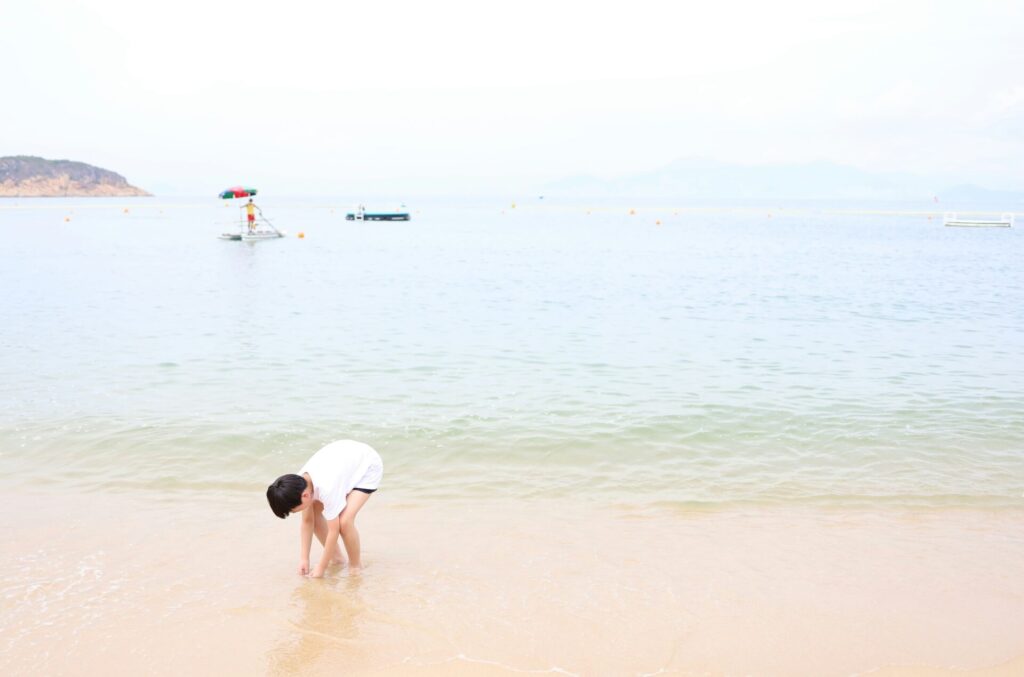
point(301, 235)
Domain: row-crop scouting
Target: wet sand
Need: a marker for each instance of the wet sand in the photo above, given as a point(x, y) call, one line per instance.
point(130, 584)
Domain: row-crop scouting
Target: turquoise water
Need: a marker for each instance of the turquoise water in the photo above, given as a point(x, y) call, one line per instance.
point(814, 356)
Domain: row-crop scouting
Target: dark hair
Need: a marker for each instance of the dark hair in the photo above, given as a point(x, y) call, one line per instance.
point(285, 493)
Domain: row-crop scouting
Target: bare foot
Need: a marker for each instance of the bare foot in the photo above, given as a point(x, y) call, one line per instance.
point(355, 569)
point(338, 560)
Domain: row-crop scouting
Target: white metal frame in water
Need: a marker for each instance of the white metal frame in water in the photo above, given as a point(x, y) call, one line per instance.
point(1004, 221)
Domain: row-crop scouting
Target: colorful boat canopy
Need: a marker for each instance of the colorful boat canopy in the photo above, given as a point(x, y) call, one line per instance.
point(236, 191)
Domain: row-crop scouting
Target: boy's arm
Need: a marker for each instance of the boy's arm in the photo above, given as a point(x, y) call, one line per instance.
point(333, 528)
point(306, 539)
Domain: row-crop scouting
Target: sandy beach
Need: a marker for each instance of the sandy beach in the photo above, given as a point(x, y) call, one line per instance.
point(209, 587)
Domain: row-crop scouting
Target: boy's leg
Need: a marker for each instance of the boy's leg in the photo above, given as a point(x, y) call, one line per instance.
point(320, 529)
point(349, 533)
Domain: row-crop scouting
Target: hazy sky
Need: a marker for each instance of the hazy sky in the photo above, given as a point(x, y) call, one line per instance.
point(335, 97)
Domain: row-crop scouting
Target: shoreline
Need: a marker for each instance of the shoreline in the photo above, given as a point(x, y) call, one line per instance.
point(208, 587)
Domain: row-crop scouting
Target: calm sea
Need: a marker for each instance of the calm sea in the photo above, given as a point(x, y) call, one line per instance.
point(721, 356)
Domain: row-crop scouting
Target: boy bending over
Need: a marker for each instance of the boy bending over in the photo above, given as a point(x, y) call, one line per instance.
point(329, 491)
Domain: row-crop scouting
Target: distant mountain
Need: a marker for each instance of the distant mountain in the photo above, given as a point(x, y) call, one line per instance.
point(705, 179)
point(28, 176)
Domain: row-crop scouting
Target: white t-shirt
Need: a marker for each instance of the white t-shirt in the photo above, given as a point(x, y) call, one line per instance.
point(340, 467)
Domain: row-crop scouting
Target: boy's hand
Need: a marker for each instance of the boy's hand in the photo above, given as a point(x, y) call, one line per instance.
point(304, 567)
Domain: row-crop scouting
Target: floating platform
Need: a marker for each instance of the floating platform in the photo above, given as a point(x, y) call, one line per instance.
point(377, 216)
point(258, 235)
point(951, 220)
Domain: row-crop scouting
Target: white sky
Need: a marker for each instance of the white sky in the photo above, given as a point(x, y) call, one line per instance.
point(334, 97)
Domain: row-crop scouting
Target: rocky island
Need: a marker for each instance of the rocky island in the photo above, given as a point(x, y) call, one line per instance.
point(28, 176)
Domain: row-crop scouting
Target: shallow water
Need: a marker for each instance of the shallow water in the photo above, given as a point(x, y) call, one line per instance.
point(725, 356)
